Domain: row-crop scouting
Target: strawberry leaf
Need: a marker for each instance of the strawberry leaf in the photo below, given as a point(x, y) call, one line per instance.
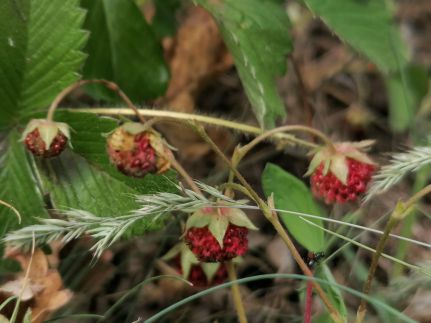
point(291, 194)
point(18, 188)
point(40, 42)
point(257, 34)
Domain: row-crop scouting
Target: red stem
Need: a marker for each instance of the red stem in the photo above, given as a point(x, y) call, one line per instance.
point(308, 301)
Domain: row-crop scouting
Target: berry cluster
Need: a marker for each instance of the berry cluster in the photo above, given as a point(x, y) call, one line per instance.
point(331, 189)
point(198, 277)
point(206, 248)
point(37, 146)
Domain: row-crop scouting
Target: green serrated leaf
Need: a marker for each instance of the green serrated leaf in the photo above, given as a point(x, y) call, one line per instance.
point(367, 26)
point(257, 34)
point(18, 187)
point(292, 194)
point(332, 290)
point(123, 48)
point(40, 42)
point(239, 218)
point(218, 227)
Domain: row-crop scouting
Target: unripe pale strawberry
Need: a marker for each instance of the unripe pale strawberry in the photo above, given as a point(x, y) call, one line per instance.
point(342, 174)
point(45, 138)
point(218, 234)
point(136, 150)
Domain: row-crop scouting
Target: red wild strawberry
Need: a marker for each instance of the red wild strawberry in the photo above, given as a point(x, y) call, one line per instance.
point(218, 234)
point(46, 138)
point(200, 274)
point(341, 174)
point(136, 150)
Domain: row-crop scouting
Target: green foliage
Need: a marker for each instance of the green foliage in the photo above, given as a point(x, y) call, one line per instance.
point(40, 42)
point(18, 187)
point(332, 290)
point(164, 22)
point(291, 194)
point(367, 26)
point(257, 34)
point(405, 90)
point(123, 48)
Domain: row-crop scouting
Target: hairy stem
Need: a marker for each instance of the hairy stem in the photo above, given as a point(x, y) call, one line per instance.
point(236, 295)
point(187, 117)
point(273, 218)
point(187, 178)
point(109, 85)
point(308, 302)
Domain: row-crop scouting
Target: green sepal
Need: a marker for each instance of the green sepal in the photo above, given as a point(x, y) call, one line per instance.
point(240, 219)
point(339, 168)
point(210, 269)
point(218, 227)
point(199, 219)
point(188, 259)
point(174, 251)
point(134, 127)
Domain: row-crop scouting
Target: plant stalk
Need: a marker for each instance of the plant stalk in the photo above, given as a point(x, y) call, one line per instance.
point(273, 218)
point(109, 85)
point(187, 117)
point(308, 302)
point(236, 294)
point(399, 213)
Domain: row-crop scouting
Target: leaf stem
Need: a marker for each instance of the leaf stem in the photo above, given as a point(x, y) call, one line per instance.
point(109, 85)
point(189, 180)
point(398, 214)
point(273, 218)
point(236, 295)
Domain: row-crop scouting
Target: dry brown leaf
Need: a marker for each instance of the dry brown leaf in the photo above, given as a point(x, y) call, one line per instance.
point(42, 288)
point(196, 56)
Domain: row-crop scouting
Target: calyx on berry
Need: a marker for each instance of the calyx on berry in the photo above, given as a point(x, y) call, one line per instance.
point(46, 138)
point(218, 234)
point(341, 173)
point(137, 150)
point(200, 274)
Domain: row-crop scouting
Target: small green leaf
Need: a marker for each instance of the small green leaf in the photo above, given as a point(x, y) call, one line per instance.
point(257, 34)
point(291, 194)
point(122, 48)
point(239, 218)
point(367, 26)
point(332, 290)
point(40, 42)
point(18, 187)
point(405, 90)
point(218, 227)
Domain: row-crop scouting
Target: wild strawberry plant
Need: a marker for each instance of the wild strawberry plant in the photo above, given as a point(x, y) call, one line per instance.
point(73, 172)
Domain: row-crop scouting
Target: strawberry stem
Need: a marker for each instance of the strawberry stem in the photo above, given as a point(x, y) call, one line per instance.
point(308, 302)
point(236, 294)
point(273, 218)
point(109, 85)
point(189, 117)
point(398, 214)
